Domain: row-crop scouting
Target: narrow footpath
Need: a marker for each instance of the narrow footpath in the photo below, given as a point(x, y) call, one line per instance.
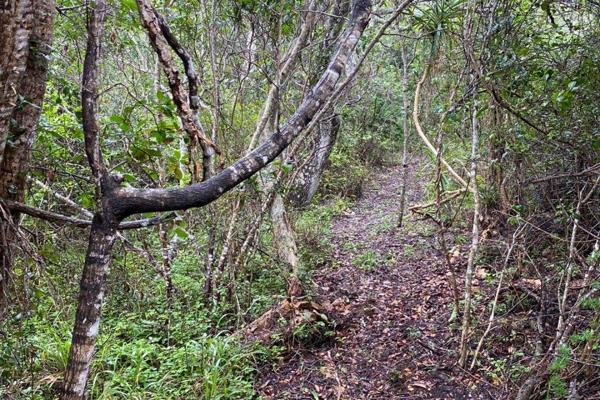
point(391, 298)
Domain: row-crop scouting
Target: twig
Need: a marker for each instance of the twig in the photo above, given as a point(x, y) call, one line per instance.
point(495, 302)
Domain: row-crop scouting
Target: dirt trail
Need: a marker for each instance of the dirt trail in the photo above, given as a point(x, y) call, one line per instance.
point(389, 289)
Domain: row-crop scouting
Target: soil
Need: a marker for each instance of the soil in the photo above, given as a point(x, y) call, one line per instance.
point(388, 290)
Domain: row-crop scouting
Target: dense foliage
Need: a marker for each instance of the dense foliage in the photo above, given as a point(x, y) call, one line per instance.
point(523, 76)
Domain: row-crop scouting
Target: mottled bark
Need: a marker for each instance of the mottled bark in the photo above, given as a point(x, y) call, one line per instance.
point(286, 243)
point(19, 118)
point(466, 322)
point(87, 319)
point(309, 177)
point(474, 84)
point(405, 132)
point(15, 30)
point(103, 231)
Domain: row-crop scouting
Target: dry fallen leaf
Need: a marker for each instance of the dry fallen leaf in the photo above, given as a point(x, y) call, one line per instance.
point(420, 384)
point(481, 273)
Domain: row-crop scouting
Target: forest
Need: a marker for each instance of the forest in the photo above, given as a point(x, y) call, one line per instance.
point(299, 199)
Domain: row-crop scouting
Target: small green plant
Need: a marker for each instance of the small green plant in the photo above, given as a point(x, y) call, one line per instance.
point(502, 368)
point(390, 259)
point(351, 246)
point(557, 387)
point(314, 329)
point(369, 260)
point(387, 224)
point(461, 239)
point(414, 332)
point(312, 227)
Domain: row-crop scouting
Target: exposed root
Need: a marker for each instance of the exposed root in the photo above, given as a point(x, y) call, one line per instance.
point(291, 319)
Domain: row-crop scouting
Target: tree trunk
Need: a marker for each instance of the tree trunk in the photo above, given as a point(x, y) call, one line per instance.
point(405, 133)
point(466, 323)
point(15, 29)
point(309, 177)
point(103, 229)
point(283, 233)
point(87, 319)
point(18, 123)
point(285, 243)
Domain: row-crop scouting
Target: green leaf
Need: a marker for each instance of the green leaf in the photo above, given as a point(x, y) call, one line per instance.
point(180, 232)
point(128, 5)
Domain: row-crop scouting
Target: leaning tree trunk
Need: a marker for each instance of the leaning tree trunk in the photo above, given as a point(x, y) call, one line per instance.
point(19, 117)
point(309, 177)
point(285, 244)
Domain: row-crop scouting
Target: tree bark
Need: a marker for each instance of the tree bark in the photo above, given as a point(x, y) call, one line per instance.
point(19, 118)
point(87, 319)
point(286, 243)
point(15, 29)
point(103, 230)
point(466, 322)
point(405, 132)
point(309, 177)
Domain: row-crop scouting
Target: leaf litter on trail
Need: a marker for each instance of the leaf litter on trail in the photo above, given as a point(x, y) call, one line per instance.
point(391, 340)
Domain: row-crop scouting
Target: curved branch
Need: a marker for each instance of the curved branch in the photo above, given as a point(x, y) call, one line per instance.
point(129, 201)
point(421, 134)
point(161, 38)
point(185, 58)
